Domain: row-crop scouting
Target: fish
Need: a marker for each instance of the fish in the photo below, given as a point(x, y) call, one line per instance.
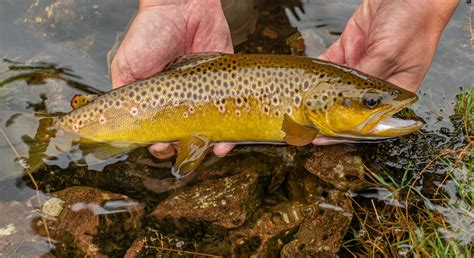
point(205, 98)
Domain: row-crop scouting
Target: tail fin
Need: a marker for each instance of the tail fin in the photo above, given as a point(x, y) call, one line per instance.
point(17, 141)
point(28, 142)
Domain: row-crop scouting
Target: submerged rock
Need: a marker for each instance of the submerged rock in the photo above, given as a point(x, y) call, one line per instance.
point(18, 237)
point(338, 165)
point(90, 221)
point(60, 18)
point(322, 231)
point(268, 231)
point(226, 202)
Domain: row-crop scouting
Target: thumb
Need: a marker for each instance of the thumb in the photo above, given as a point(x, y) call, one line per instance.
point(120, 71)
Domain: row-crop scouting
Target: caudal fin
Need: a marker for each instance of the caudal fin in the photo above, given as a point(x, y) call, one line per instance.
point(28, 142)
point(20, 146)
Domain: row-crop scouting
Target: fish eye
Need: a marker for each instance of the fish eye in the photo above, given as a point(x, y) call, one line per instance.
point(371, 100)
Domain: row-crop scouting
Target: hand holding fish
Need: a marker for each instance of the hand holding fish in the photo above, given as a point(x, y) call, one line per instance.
point(393, 40)
point(164, 30)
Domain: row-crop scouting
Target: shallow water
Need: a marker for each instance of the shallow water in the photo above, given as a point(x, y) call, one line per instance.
point(72, 41)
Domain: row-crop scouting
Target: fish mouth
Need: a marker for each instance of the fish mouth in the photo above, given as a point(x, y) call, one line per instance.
point(383, 125)
point(389, 126)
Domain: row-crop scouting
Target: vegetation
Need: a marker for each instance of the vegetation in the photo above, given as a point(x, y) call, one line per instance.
point(419, 221)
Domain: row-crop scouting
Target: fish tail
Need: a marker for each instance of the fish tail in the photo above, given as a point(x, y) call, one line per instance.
point(28, 142)
point(24, 139)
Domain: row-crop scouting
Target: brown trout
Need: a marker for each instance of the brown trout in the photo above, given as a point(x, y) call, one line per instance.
point(205, 98)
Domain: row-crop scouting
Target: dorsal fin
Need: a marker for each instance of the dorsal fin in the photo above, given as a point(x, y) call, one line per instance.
point(191, 60)
point(80, 100)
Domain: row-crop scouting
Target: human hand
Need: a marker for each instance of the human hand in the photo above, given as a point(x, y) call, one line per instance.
point(393, 40)
point(162, 31)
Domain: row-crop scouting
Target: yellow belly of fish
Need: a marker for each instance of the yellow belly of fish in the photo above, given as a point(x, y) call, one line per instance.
point(233, 124)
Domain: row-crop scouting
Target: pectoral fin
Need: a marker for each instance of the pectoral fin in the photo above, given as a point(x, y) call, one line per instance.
point(191, 152)
point(297, 134)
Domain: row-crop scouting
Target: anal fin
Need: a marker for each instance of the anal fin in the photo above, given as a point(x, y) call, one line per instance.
point(297, 134)
point(191, 152)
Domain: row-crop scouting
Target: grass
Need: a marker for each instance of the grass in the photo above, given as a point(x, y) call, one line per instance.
point(413, 221)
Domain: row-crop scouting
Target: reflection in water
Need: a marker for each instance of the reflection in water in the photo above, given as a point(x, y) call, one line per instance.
point(38, 73)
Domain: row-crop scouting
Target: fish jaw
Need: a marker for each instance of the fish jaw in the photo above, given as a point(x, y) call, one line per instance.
point(384, 125)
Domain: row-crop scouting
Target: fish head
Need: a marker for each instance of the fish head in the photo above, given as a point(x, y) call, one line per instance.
point(360, 109)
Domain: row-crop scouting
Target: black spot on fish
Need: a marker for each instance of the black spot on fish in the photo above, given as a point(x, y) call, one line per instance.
point(306, 85)
point(297, 100)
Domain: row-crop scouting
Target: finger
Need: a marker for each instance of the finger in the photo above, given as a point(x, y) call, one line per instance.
point(162, 150)
point(379, 64)
point(119, 70)
point(221, 149)
point(149, 45)
point(335, 53)
point(323, 140)
point(212, 34)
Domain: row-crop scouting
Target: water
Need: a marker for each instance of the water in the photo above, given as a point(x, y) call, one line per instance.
point(56, 49)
